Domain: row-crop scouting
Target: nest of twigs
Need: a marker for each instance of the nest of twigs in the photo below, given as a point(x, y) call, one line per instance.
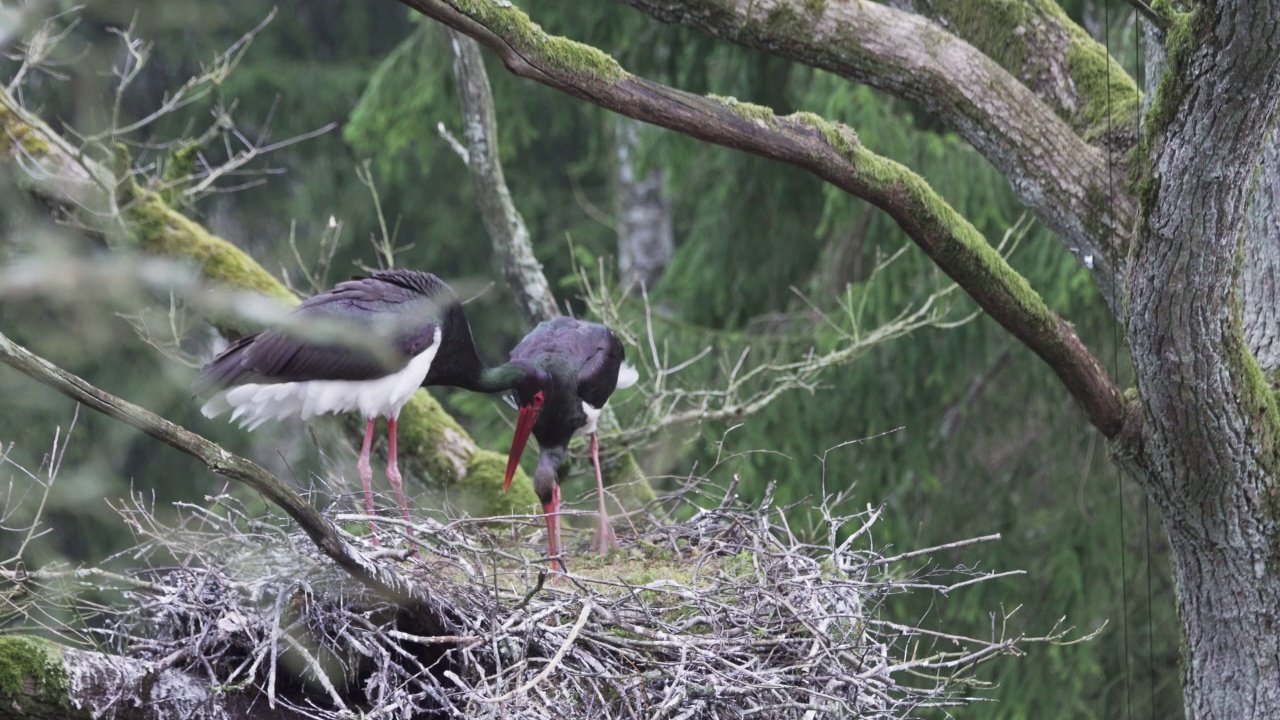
point(727, 614)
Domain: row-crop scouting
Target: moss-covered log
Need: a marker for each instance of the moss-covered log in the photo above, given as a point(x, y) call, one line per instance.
point(39, 680)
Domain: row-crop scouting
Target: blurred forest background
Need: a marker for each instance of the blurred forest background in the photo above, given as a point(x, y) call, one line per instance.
point(988, 440)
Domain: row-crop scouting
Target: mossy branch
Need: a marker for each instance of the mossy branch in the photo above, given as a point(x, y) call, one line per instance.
point(830, 151)
point(1052, 56)
point(112, 206)
point(1020, 82)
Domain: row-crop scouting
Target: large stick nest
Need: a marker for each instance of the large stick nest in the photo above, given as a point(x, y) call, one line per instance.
point(727, 614)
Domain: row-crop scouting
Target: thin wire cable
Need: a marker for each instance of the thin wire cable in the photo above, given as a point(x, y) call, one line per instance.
point(1115, 372)
point(1140, 80)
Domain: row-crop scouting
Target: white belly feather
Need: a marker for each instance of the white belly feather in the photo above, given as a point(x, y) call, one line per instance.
point(593, 415)
point(255, 404)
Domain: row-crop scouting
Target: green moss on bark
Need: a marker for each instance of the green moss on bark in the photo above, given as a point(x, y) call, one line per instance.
point(160, 230)
point(1180, 43)
point(31, 667)
point(180, 166)
point(751, 111)
point(1108, 96)
point(560, 54)
point(438, 446)
point(1256, 398)
point(991, 26)
point(481, 489)
point(435, 447)
point(14, 130)
point(839, 136)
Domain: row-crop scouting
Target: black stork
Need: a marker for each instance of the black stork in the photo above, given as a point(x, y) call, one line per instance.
point(364, 346)
point(576, 367)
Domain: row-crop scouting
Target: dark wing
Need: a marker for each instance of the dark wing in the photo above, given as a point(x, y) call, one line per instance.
point(362, 329)
point(591, 350)
point(598, 372)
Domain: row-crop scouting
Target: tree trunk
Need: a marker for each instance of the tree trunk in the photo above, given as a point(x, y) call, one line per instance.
point(646, 240)
point(1211, 426)
point(1229, 594)
point(1262, 260)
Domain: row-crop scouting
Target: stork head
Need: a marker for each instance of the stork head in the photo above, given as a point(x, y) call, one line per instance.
point(531, 394)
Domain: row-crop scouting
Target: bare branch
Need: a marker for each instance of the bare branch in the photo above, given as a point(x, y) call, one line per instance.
point(501, 219)
point(322, 531)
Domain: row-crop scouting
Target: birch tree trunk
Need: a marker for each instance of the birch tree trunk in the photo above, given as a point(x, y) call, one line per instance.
point(646, 239)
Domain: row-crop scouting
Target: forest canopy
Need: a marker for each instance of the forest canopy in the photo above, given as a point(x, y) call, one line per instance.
point(891, 276)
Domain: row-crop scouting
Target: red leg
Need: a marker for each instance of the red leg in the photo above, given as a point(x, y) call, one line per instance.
point(552, 510)
point(393, 473)
point(605, 539)
point(366, 477)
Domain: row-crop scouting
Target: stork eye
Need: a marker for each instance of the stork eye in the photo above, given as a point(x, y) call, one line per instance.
point(538, 399)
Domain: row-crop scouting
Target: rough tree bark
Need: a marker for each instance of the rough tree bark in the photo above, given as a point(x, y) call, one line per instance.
point(1261, 270)
point(1177, 214)
point(1208, 453)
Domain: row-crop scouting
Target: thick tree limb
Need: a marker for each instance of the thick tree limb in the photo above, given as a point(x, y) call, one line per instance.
point(501, 219)
point(114, 209)
point(1052, 168)
point(322, 531)
point(1208, 130)
point(828, 150)
point(1051, 55)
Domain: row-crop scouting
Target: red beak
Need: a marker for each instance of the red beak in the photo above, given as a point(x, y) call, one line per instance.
point(524, 425)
